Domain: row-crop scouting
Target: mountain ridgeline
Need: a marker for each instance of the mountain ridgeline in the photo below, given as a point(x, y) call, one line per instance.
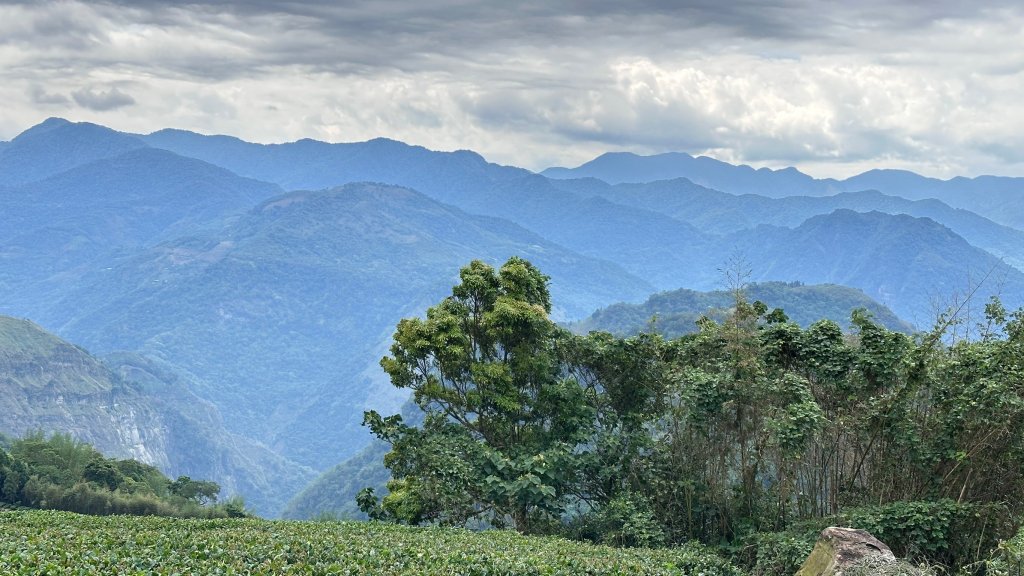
point(244, 293)
point(998, 198)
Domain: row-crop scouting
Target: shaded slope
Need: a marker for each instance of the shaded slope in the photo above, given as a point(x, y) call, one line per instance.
point(131, 407)
point(912, 265)
point(333, 493)
point(658, 248)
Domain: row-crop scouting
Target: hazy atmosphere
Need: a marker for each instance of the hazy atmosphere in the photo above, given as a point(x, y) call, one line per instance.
point(833, 90)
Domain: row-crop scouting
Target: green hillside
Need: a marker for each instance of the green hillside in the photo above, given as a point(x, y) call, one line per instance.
point(676, 312)
point(132, 407)
point(333, 493)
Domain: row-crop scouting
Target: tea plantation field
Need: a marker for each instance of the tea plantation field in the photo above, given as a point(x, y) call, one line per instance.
point(52, 543)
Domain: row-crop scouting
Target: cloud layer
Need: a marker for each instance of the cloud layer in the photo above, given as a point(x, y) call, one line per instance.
point(932, 87)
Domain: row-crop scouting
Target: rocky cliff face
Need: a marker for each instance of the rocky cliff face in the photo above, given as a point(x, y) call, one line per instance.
point(133, 407)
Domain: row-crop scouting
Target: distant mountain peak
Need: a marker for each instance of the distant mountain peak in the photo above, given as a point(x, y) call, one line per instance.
point(81, 129)
point(627, 167)
point(47, 125)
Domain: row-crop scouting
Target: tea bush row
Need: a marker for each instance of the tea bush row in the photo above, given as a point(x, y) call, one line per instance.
point(57, 543)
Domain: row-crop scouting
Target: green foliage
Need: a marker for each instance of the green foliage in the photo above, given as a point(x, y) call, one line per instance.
point(200, 491)
point(60, 473)
point(63, 543)
point(943, 531)
point(736, 435)
point(627, 520)
point(502, 418)
point(776, 553)
point(1007, 559)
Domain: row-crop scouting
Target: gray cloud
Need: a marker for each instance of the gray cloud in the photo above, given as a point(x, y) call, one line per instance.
point(39, 95)
point(102, 100)
point(929, 86)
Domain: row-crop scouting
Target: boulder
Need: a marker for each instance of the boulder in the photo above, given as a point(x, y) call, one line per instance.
point(838, 549)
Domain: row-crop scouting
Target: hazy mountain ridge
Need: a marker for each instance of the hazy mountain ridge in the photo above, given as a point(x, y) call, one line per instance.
point(279, 313)
point(915, 266)
point(669, 254)
point(310, 164)
point(998, 198)
point(131, 407)
point(300, 294)
point(626, 167)
point(463, 179)
point(57, 230)
point(57, 145)
point(715, 212)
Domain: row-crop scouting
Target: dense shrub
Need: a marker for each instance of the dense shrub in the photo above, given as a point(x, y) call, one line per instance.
point(60, 473)
point(1007, 559)
point(944, 531)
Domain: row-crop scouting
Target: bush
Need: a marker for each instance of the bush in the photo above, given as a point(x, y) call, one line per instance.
point(778, 553)
point(1006, 560)
point(626, 520)
point(944, 531)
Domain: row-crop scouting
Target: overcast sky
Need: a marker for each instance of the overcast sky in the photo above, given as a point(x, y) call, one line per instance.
point(932, 86)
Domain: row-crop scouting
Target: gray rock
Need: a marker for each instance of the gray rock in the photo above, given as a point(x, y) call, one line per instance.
point(838, 549)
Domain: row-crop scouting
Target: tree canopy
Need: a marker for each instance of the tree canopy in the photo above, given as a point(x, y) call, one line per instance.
point(502, 415)
point(751, 425)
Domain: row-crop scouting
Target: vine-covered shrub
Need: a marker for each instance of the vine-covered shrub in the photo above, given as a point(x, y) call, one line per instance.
point(944, 531)
point(1007, 559)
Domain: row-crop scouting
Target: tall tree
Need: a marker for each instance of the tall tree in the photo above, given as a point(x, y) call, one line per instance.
point(502, 414)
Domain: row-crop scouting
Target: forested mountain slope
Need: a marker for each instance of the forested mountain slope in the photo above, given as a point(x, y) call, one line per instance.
point(285, 312)
point(675, 312)
point(57, 145)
